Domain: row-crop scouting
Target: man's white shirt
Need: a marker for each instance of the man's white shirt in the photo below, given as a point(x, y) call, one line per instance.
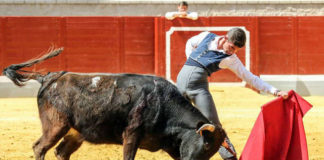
point(190, 15)
point(231, 62)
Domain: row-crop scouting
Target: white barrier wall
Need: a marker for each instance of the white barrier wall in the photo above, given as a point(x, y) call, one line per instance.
point(159, 7)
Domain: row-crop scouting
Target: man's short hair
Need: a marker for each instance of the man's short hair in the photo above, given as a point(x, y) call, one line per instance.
point(183, 3)
point(237, 37)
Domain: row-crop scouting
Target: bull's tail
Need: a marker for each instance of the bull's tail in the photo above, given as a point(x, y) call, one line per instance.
point(19, 76)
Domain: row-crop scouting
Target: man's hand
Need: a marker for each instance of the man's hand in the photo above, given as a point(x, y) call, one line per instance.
point(283, 94)
point(181, 14)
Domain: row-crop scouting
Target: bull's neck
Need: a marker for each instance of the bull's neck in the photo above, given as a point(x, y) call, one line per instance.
point(186, 117)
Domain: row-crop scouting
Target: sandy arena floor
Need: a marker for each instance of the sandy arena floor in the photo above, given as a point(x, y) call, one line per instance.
point(237, 107)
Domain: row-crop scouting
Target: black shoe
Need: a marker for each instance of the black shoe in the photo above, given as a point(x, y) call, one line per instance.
point(231, 158)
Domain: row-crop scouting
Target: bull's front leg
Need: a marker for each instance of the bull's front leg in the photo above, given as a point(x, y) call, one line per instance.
point(131, 141)
point(133, 133)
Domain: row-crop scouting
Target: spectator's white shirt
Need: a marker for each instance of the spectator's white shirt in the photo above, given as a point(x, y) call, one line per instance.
point(231, 62)
point(190, 15)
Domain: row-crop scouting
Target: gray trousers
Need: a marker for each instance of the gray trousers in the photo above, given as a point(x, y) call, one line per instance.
point(192, 82)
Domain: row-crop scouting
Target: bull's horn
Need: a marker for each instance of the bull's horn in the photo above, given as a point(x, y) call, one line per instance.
point(228, 148)
point(206, 127)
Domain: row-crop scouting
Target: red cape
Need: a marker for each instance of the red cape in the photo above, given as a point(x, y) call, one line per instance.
point(278, 133)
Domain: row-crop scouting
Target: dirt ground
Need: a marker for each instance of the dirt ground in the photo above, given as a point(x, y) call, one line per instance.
point(238, 109)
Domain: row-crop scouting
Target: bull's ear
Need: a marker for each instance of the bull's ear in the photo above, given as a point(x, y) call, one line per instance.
point(204, 127)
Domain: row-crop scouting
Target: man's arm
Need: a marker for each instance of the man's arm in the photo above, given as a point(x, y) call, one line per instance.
point(170, 15)
point(192, 15)
point(189, 15)
point(235, 65)
point(194, 41)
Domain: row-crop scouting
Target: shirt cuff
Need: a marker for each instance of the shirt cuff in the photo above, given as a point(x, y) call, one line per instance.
point(273, 90)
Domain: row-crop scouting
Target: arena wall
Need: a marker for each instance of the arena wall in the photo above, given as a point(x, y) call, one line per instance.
point(284, 45)
point(159, 7)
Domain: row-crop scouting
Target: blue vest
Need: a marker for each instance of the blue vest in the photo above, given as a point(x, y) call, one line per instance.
point(207, 59)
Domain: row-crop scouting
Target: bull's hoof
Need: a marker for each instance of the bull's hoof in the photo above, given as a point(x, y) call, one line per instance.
point(58, 156)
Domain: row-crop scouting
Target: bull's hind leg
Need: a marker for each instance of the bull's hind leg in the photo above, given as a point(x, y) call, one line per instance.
point(71, 142)
point(54, 125)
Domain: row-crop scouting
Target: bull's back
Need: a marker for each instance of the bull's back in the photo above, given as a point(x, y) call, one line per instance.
point(98, 105)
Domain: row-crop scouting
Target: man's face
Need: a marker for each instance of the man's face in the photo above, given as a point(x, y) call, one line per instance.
point(229, 47)
point(182, 8)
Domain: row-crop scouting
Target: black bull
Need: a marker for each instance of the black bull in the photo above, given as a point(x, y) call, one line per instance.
point(137, 111)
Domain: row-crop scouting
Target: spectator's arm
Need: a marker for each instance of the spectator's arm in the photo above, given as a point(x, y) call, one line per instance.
point(170, 15)
point(189, 15)
point(192, 15)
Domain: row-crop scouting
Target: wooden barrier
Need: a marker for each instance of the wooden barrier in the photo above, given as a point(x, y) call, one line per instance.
point(277, 45)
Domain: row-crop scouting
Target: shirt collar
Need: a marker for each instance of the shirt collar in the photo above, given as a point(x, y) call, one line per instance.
point(216, 44)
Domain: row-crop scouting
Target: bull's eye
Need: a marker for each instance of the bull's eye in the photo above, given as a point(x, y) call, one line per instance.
point(206, 146)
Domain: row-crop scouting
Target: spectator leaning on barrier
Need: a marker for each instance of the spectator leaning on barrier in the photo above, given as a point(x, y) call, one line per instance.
point(207, 53)
point(182, 12)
